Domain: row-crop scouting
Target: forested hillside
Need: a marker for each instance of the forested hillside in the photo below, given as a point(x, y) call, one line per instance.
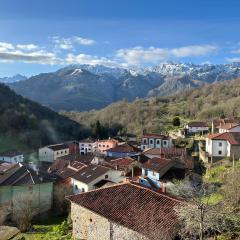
point(156, 114)
point(29, 125)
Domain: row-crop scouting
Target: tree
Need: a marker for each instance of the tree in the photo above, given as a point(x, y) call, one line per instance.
point(197, 214)
point(176, 122)
point(25, 207)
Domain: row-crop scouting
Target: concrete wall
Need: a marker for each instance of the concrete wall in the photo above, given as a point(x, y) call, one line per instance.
point(217, 148)
point(155, 143)
point(48, 155)
point(41, 192)
point(88, 225)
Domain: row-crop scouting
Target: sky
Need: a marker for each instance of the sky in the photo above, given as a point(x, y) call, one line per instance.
point(45, 35)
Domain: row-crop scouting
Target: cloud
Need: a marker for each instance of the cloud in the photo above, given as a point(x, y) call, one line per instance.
point(193, 51)
point(27, 47)
point(236, 51)
point(88, 59)
point(69, 43)
point(40, 57)
point(4, 46)
point(231, 60)
point(153, 55)
point(139, 55)
point(83, 41)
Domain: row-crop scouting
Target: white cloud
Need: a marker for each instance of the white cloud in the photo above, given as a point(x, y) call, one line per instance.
point(236, 51)
point(62, 43)
point(4, 46)
point(83, 41)
point(193, 51)
point(88, 59)
point(139, 55)
point(27, 47)
point(235, 59)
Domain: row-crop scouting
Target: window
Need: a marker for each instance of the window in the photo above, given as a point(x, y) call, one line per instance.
point(145, 141)
point(143, 147)
point(83, 190)
point(76, 187)
point(164, 142)
point(220, 152)
point(220, 144)
point(99, 145)
point(158, 142)
point(107, 146)
point(65, 151)
point(103, 146)
point(106, 176)
point(151, 141)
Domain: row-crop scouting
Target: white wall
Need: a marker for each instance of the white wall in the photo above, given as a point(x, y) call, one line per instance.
point(196, 129)
point(218, 148)
point(48, 155)
point(87, 147)
point(15, 159)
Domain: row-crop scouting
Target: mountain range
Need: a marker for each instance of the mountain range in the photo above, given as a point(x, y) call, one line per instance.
point(87, 87)
point(15, 78)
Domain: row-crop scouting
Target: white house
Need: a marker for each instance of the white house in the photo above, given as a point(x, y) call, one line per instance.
point(155, 141)
point(87, 146)
point(229, 127)
point(89, 178)
point(52, 152)
point(220, 145)
point(196, 127)
point(11, 157)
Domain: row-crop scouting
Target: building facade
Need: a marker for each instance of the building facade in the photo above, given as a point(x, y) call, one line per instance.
point(11, 157)
point(155, 141)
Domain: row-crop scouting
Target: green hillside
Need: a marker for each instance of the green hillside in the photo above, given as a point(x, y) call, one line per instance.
point(25, 124)
point(156, 114)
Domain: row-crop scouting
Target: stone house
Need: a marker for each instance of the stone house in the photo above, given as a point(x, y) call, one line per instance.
point(123, 211)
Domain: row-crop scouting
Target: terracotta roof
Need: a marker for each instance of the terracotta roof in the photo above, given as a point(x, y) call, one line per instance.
point(57, 147)
point(197, 124)
point(127, 161)
point(218, 122)
point(232, 137)
point(158, 164)
point(10, 154)
point(123, 148)
point(153, 135)
point(166, 151)
point(87, 140)
point(90, 173)
point(228, 126)
point(78, 157)
point(135, 207)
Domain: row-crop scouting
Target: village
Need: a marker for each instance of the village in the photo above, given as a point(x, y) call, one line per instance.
point(115, 188)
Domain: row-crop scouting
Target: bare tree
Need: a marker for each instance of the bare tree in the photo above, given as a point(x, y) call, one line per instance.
point(25, 207)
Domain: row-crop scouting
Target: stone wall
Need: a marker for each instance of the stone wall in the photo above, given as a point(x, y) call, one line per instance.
point(88, 225)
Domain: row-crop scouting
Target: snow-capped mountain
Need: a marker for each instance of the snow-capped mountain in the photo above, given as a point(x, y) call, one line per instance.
point(15, 78)
point(86, 87)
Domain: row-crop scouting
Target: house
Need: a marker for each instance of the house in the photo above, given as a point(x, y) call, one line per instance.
point(220, 145)
point(165, 152)
point(228, 127)
point(196, 127)
point(125, 165)
point(87, 178)
point(223, 121)
point(87, 146)
point(73, 147)
point(124, 211)
point(11, 157)
point(122, 150)
point(19, 179)
point(52, 152)
point(155, 141)
point(103, 145)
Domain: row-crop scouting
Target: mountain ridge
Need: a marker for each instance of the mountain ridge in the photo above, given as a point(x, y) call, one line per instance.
point(87, 87)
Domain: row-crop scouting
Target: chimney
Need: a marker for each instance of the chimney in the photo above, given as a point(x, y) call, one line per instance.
point(163, 187)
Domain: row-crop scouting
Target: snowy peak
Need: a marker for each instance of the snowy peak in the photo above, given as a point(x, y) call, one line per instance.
point(15, 78)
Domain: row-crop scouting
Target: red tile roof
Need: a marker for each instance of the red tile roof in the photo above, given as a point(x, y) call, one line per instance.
point(228, 126)
point(166, 151)
point(123, 148)
point(158, 164)
point(135, 207)
point(232, 137)
point(127, 161)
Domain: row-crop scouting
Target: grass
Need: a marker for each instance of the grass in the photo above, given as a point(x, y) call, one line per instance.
point(46, 229)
